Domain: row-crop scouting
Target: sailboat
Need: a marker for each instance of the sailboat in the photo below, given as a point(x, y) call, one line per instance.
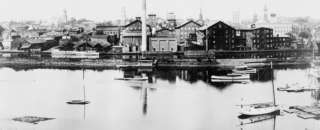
point(80, 102)
point(261, 108)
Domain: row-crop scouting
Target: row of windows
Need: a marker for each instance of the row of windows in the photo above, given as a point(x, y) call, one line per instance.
point(213, 36)
point(134, 28)
point(268, 36)
point(227, 41)
point(162, 49)
point(189, 28)
point(110, 33)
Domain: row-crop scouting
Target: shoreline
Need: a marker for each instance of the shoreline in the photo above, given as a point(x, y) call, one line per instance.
point(101, 64)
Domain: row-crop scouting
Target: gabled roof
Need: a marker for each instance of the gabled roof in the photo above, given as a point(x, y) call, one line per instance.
point(136, 21)
point(107, 27)
point(210, 25)
point(190, 21)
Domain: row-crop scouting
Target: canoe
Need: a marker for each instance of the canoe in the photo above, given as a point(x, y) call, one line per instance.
point(78, 102)
point(231, 77)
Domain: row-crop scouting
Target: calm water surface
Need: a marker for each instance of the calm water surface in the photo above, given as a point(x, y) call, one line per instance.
point(169, 100)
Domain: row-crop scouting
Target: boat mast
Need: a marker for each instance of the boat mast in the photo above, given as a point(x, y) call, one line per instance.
point(272, 76)
point(84, 93)
point(145, 102)
point(83, 83)
point(274, 122)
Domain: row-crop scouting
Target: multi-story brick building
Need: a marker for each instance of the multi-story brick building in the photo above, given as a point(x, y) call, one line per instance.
point(220, 36)
point(262, 38)
point(183, 32)
point(282, 43)
point(243, 39)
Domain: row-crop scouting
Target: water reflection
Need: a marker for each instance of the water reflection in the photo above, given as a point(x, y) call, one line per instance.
point(145, 101)
point(172, 99)
point(195, 75)
point(258, 121)
point(315, 94)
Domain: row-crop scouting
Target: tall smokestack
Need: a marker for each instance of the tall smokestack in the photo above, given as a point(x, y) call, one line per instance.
point(144, 26)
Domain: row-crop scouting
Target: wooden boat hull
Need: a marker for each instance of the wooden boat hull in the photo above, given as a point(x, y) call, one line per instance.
point(132, 79)
point(243, 77)
point(251, 111)
point(229, 81)
point(78, 102)
point(245, 71)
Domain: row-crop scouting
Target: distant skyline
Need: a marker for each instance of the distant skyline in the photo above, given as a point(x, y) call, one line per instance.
point(104, 10)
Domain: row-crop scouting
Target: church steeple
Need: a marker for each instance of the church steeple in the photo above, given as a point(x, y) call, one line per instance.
point(200, 20)
point(200, 15)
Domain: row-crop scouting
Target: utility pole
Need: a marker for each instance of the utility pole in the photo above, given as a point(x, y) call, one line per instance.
point(144, 27)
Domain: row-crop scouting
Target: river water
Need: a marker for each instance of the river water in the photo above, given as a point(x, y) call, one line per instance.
point(169, 100)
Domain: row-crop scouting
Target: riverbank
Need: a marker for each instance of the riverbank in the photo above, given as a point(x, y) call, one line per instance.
point(113, 63)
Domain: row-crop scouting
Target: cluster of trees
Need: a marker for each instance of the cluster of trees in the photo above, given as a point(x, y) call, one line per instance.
point(1, 30)
point(301, 33)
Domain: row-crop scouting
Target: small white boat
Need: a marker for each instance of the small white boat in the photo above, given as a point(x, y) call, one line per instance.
point(78, 102)
point(230, 81)
point(296, 89)
point(254, 110)
point(244, 70)
point(231, 77)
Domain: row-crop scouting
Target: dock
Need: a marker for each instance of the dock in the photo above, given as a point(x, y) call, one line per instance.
point(305, 112)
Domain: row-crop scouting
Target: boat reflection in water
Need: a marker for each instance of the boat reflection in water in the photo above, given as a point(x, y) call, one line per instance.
point(258, 121)
point(144, 86)
point(197, 74)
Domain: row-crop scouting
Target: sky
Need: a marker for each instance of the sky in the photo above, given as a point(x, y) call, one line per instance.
point(103, 10)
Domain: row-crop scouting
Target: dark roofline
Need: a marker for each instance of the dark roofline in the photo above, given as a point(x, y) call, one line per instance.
point(245, 29)
point(224, 24)
point(135, 21)
point(263, 28)
point(163, 29)
point(190, 21)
